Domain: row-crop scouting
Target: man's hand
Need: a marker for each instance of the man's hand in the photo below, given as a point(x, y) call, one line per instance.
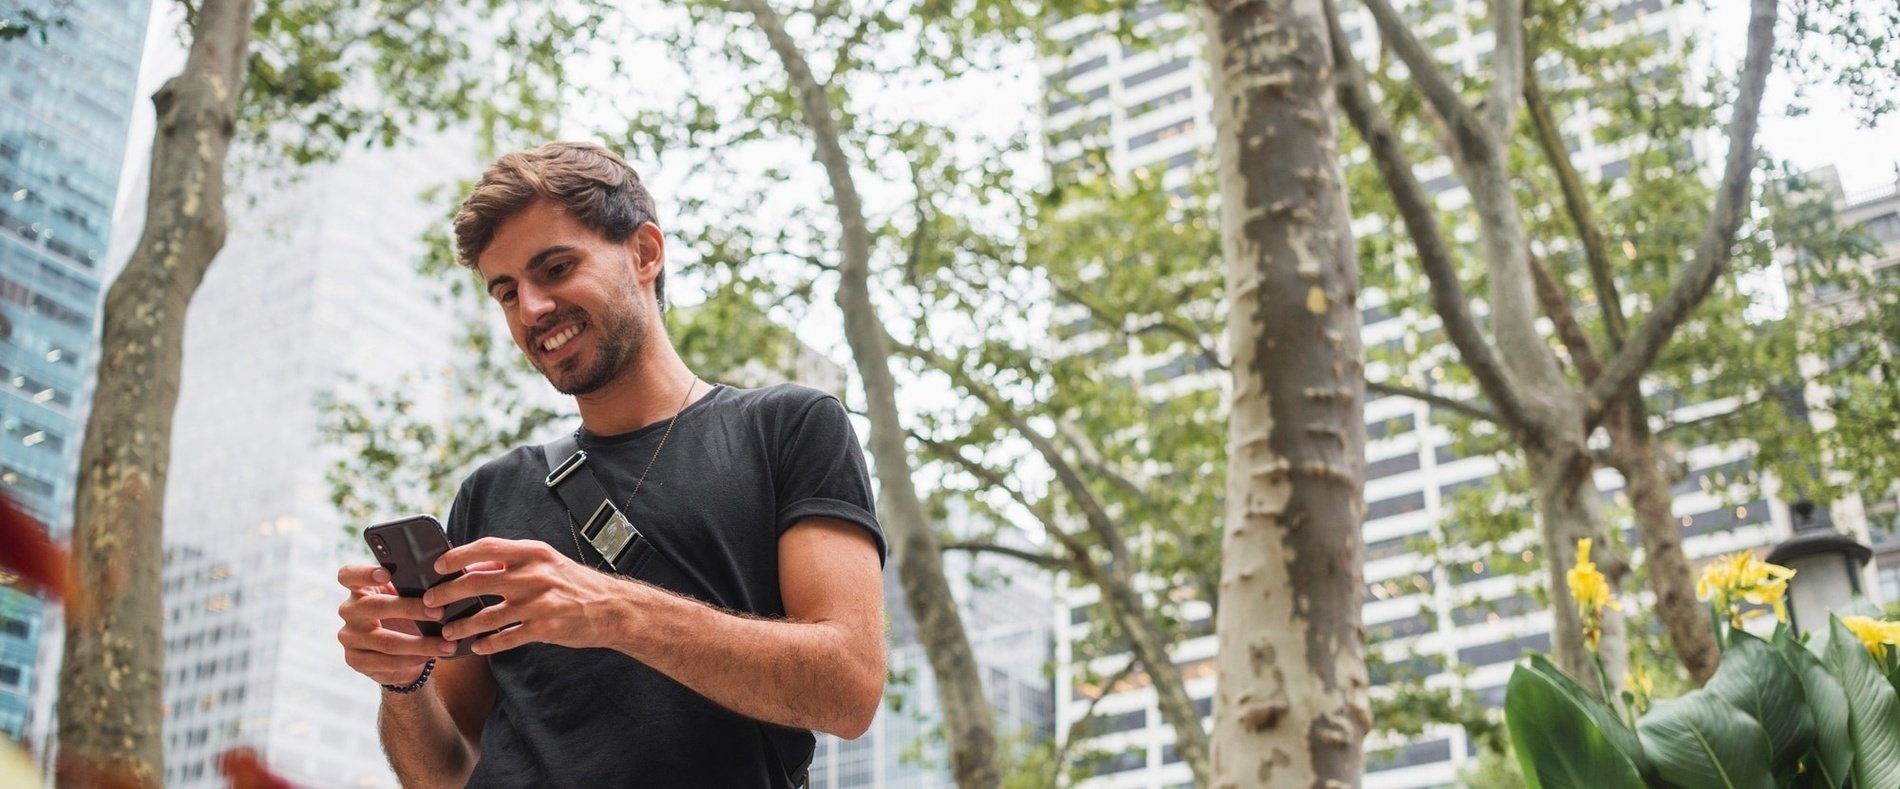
point(379, 634)
point(546, 597)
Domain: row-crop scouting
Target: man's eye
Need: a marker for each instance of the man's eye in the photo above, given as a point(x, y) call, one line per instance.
point(506, 296)
point(560, 268)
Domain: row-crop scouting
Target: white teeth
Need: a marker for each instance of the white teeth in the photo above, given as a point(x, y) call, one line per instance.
point(558, 340)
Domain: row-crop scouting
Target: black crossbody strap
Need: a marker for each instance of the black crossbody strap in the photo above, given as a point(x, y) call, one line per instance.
point(599, 521)
point(560, 449)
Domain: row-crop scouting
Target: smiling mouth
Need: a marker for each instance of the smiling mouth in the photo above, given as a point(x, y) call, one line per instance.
point(554, 342)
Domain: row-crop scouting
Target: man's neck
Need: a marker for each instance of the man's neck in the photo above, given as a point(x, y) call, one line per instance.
point(649, 390)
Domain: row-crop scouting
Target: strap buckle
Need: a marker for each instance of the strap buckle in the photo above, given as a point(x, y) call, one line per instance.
point(567, 467)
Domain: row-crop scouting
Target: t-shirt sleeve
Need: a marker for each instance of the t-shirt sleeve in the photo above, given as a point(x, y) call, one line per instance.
point(821, 471)
point(460, 525)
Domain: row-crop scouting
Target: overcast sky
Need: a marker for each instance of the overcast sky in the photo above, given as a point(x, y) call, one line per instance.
point(1827, 135)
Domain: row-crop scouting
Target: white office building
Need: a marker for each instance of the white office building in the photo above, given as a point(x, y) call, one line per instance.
point(1149, 107)
point(314, 289)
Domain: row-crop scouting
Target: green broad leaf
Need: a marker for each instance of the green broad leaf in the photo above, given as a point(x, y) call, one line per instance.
point(1873, 709)
point(1614, 729)
point(1833, 754)
point(1698, 741)
point(1558, 743)
point(1753, 679)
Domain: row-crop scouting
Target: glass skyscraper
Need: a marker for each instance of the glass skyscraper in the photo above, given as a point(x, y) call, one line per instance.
point(65, 104)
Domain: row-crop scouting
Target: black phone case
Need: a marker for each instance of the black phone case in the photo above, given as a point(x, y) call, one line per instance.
point(413, 544)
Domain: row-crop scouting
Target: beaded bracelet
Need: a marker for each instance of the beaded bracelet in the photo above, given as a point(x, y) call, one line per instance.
point(427, 668)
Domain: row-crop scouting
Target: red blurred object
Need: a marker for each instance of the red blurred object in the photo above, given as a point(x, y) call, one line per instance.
point(27, 551)
point(245, 770)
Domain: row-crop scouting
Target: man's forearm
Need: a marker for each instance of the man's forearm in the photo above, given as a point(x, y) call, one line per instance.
point(807, 675)
point(423, 745)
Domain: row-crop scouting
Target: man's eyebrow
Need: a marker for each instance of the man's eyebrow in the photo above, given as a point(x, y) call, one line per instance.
point(533, 263)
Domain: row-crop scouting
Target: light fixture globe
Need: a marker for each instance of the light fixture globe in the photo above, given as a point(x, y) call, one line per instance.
point(1826, 566)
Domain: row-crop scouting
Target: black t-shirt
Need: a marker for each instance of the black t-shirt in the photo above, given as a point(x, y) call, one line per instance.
point(740, 467)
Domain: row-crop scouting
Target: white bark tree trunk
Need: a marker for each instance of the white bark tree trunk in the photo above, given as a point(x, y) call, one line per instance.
point(111, 712)
point(1291, 708)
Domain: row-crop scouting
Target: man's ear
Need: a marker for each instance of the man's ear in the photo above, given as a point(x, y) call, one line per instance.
point(648, 246)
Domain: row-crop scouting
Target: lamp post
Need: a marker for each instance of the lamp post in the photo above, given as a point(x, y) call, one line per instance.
point(1826, 566)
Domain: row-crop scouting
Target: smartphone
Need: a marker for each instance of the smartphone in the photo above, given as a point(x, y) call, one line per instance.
point(408, 548)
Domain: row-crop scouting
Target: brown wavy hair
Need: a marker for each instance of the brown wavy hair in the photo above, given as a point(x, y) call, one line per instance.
point(592, 183)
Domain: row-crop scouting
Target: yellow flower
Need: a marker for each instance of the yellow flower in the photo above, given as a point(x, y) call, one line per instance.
point(1640, 684)
point(1877, 635)
point(1592, 592)
point(1738, 577)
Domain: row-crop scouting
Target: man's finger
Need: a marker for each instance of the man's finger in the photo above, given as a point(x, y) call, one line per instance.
point(504, 640)
point(370, 608)
point(493, 617)
point(352, 576)
point(471, 584)
point(389, 642)
point(486, 549)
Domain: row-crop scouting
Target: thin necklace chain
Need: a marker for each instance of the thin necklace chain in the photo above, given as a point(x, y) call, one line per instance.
point(674, 419)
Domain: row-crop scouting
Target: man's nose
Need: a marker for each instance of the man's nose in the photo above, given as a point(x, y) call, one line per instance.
point(535, 304)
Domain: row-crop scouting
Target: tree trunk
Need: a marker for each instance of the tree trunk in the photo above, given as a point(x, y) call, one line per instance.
point(111, 710)
point(968, 721)
point(1684, 618)
point(1291, 708)
point(1569, 507)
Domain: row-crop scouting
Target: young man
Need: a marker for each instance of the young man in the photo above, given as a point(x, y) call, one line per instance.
point(753, 611)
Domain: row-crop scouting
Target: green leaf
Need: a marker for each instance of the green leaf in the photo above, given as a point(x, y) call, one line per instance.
point(1754, 679)
point(1699, 741)
point(1873, 709)
point(1606, 719)
point(1833, 749)
point(1558, 743)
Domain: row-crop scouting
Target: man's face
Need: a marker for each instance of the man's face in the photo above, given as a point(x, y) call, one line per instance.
point(572, 298)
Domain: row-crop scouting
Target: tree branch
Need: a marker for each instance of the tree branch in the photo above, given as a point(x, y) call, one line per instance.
point(1469, 131)
point(1042, 560)
point(1596, 249)
point(1093, 460)
point(1717, 242)
point(1556, 303)
point(1093, 512)
point(1508, 63)
point(992, 478)
point(1421, 223)
point(1472, 410)
point(1162, 324)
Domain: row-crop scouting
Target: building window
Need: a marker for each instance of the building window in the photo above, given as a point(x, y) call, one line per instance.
point(10, 676)
point(1167, 132)
point(1397, 505)
point(1081, 68)
point(1408, 756)
point(1501, 651)
point(1380, 469)
point(1155, 73)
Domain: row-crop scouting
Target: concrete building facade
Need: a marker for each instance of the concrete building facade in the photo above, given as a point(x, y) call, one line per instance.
point(315, 290)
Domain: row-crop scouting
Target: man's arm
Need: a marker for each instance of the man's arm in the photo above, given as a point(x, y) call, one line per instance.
point(432, 736)
point(820, 668)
